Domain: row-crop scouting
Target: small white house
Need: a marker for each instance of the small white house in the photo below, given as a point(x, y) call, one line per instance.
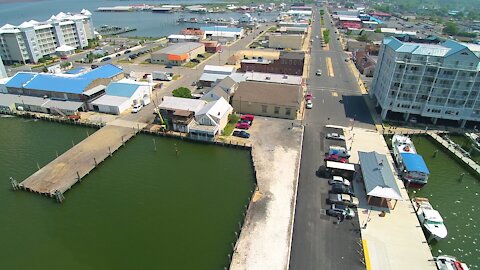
point(122, 95)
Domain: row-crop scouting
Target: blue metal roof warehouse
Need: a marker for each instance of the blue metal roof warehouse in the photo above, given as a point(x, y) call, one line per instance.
point(71, 83)
point(414, 163)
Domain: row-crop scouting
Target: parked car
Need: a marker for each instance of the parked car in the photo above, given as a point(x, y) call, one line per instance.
point(94, 66)
point(200, 56)
point(137, 107)
point(127, 51)
point(341, 189)
point(249, 117)
point(342, 199)
point(118, 55)
point(336, 158)
point(338, 180)
point(195, 61)
point(242, 125)
point(106, 59)
point(308, 96)
point(245, 121)
point(319, 72)
point(168, 66)
point(64, 57)
point(337, 210)
point(335, 136)
point(241, 134)
point(309, 104)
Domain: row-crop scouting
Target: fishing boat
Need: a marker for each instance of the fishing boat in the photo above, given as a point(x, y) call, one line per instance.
point(446, 262)
point(430, 219)
point(413, 169)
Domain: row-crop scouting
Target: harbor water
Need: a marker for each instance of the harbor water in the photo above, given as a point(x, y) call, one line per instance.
point(178, 207)
point(454, 191)
point(150, 25)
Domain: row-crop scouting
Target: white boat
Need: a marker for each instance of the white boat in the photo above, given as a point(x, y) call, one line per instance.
point(430, 219)
point(445, 262)
point(411, 165)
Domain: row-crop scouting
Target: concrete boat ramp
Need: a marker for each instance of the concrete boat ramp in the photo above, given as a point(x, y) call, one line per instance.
point(62, 173)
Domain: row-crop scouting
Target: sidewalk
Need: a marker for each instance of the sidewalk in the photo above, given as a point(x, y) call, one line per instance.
point(395, 241)
point(266, 236)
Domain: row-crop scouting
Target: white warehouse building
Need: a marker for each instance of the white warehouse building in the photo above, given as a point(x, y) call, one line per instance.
point(429, 81)
point(32, 40)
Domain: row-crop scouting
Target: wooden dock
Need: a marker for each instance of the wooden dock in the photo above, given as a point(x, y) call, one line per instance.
point(468, 161)
point(62, 173)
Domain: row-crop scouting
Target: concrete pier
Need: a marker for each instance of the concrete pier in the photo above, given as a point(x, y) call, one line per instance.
point(468, 161)
point(69, 168)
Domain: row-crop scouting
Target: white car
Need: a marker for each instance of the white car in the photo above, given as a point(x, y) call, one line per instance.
point(319, 72)
point(137, 108)
point(335, 136)
point(309, 104)
point(339, 180)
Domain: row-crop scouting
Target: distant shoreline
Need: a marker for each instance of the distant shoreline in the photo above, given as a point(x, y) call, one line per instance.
point(16, 1)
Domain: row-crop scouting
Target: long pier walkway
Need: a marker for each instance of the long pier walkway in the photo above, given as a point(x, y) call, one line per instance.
point(468, 161)
point(69, 168)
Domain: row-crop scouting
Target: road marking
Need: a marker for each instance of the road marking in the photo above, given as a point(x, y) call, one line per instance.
point(367, 256)
point(329, 67)
point(334, 94)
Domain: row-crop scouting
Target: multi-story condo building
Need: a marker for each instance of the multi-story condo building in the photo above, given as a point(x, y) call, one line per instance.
point(3, 72)
point(436, 81)
point(32, 40)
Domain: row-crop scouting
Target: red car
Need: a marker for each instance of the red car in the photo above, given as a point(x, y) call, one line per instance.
point(335, 158)
point(242, 125)
point(308, 96)
point(64, 57)
point(248, 117)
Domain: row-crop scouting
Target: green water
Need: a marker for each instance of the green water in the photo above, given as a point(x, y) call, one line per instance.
point(456, 199)
point(140, 209)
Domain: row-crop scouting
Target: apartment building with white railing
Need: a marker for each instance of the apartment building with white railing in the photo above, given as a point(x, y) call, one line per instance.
point(438, 81)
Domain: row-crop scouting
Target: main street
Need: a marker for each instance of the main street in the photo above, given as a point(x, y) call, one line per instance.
point(318, 242)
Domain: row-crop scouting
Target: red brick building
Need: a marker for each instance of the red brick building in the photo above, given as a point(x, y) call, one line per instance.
point(212, 46)
point(289, 63)
point(193, 32)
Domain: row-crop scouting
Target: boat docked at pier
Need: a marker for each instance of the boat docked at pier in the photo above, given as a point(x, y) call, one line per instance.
point(430, 219)
point(413, 169)
point(446, 262)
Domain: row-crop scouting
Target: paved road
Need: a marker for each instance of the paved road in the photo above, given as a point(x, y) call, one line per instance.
point(319, 243)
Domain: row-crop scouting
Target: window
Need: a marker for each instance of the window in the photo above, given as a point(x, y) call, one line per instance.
point(276, 110)
point(264, 108)
point(288, 111)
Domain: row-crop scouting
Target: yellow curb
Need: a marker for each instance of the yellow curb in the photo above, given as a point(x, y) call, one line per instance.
point(367, 256)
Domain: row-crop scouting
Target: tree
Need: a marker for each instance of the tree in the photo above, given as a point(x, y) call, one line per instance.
point(450, 28)
point(182, 92)
point(363, 38)
point(378, 30)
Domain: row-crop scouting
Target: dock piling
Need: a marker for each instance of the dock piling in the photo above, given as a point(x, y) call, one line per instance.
point(38, 166)
point(59, 196)
point(78, 177)
point(109, 151)
point(95, 160)
point(154, 145)
point(14, 183)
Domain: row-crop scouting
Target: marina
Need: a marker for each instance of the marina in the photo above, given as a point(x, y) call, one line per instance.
point(139, 198)
point(114, 30)
point(453, 190)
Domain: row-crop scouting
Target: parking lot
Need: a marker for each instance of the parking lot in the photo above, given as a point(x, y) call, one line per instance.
point(342, 247)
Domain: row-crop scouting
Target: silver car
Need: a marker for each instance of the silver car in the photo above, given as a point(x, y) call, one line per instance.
point(342, 199)
point(335, 136)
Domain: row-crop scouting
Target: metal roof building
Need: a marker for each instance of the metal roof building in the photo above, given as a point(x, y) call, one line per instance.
point(378, 177)
point(40, 84)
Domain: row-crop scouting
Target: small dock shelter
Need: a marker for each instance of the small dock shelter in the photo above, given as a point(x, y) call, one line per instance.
point(380, 184)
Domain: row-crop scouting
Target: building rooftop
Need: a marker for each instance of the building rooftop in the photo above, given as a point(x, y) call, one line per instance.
point(121, 89)
point(186, 104)
point(378, 176)
point(268, 93)
point(176, 36)
point(218, 69)
point(273, 78)
point(218, 28)
point(292, 55)
point(179, 48)
point(444, 49)
point(68, 83)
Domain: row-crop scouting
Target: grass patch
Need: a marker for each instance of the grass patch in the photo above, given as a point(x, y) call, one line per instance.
point(326, 36)
point(190, 64)
point(176, 77)
point(232, 121)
